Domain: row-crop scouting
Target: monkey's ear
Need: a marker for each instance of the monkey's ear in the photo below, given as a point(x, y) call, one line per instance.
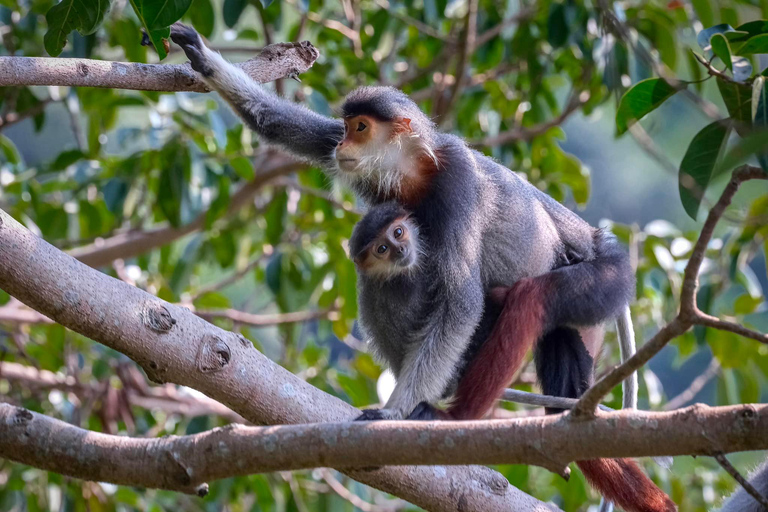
point(402, 125)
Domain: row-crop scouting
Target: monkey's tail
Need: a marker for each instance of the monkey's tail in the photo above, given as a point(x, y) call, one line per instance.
point(518, 327)
point(626, 334)
point(624, 483)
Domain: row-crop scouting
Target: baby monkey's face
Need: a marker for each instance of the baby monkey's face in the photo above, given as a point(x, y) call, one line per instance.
point(394, 251)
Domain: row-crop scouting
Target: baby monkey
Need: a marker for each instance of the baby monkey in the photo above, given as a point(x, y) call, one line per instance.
point(387, 252)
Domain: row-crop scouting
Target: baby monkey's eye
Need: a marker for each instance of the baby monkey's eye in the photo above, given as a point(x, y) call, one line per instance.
point(381, 249)
point(398, 232)
point(361, 126)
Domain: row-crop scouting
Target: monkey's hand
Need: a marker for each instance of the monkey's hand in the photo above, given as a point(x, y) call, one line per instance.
point(379, 414)
point(192, 44)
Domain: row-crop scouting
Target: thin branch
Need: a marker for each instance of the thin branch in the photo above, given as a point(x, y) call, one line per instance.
point(689, 313)
point(523, 15)
point(235, 277)
point(465, 57)
point(168, 400)
point(15, 315)
point(575, 102)
point(12, 118)
point(316, 192)
point(171, 344)
point(411, 21)
point(524, 397)
point(185, 463)
point(716, 323)
point(353, 498)
point(696, 385)
point(240, 317)
point(134, 243)
point(728, 467)
point(280, 60)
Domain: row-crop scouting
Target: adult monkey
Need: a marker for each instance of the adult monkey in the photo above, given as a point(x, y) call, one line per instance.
point(485, 225)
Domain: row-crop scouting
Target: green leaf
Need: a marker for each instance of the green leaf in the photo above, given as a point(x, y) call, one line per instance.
point(9, 150)
point(738, 101)
point(232, 11)
point(66, 158)
point(753, 28)
point(243, 167)
point(156, 16)
point(643, 98)
point(704, 11)
point(202, 17)
point(275, 217)
point(703, 37)
point(753, 144)
point(757, 44)
point(761, 121)
point(85, 16)
point(722, 49)
point(746, 304)
point(172, 186)
point(698, 163)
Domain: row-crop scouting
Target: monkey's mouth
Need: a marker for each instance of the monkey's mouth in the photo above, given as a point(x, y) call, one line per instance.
point(347, 164)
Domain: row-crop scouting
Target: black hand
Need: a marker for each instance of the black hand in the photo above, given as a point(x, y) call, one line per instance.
point(370, 415)
point(424, 412)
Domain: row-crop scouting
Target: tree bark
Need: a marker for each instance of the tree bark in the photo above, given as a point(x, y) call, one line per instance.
point(171, 344)
point(275, 61)
point(186, 463)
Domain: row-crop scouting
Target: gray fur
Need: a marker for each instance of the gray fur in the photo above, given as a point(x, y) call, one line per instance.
point(741, 501)
point(484, 227)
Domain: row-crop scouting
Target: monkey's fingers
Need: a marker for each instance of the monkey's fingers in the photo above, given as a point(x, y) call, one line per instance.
point(190, 41)
point(371, 415)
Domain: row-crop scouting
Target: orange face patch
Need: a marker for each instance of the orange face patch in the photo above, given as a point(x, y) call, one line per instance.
point(359, 129)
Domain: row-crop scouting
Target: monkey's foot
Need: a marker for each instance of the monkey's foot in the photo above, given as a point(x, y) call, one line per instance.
point(379, 414)
point(189, 41)
point(427, 412)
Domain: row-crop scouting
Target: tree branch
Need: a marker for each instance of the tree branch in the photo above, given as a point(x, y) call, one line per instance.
point(696, 385)
point(170, 401)
point(240, 317)
point(171, 344)
point(689, 313)
point(134, 243)
point(575, 102)
point(275, 61)
point(186, 463)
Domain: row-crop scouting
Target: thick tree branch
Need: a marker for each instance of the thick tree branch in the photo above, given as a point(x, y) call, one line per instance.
point(186, 463)
point(171, 344)
point(275, 61)
point(689, 313)
point(134, 243)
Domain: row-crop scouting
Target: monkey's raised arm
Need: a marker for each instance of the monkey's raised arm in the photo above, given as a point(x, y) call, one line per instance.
point(277, 121)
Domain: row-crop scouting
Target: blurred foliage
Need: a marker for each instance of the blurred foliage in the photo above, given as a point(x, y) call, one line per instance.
point(130, 161)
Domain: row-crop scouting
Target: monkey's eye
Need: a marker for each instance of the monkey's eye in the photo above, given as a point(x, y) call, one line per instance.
point(361, 126)
point(398, 232)
point(382, 249)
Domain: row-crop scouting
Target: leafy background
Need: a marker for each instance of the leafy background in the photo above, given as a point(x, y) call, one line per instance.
point(553, 90)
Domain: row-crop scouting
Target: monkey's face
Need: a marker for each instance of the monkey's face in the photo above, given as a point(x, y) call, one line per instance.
point(370, 148)
point(393, 252)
